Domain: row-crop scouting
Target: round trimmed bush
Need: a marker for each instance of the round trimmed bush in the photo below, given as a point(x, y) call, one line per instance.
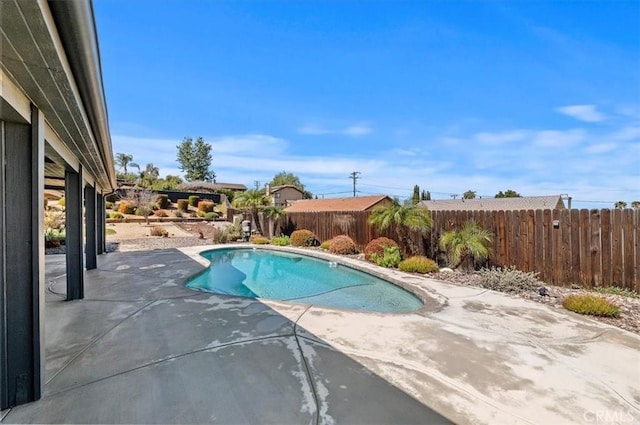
point(162, 201)
point(259, 240)
point(325, 245)
point(161, 213)
point(377, 246)
point(183, 205)
point(206, 206)
point(303, 237)
point(126, 207)
point(342, 244)
point(418, 264)
point(193, 200)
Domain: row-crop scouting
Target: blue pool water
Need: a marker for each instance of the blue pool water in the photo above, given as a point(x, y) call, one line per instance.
point(298, 278)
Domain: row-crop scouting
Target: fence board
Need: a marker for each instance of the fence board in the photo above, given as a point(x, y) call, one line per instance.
point(605, 238)
point(575, 247)
point(627, 249)
point(616, 247)
point(636, 238)
point(596, 249)
point(585, 248)
point(548, 246)
point(565, 225)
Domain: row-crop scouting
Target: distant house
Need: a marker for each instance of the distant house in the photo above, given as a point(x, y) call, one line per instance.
point(201, 186)
point(282, 196)
point(361, 203)
point(552, 202)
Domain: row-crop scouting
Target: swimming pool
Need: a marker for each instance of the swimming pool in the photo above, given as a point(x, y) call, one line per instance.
point(284, 276)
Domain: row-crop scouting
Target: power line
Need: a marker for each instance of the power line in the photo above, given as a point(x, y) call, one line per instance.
point(355, 176)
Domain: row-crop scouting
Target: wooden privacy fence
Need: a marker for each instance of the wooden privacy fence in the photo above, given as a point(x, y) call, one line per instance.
point(585, 247)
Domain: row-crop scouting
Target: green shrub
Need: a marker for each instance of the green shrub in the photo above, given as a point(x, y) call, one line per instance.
point(616, 290)
point(177, 213)
point(507, 279)
point(390, 258)
point(325, 245)
point(233, 232)
point(283, 240)
point(193, 200)
point(162, 201)
point(258, 240)
point(590, 304)
point(342, 244)
point(211, 215)
point(109, 205)
point(200, 213)
point(418, 264)
point(110, 231)
point(377, 246)
point(115, 215)
point(183, 205)
point(126, 207)
point(303, 237)
point(219, 235)
point(158, 231)
point(206, 206)
point(62, 202)
point(161, 213)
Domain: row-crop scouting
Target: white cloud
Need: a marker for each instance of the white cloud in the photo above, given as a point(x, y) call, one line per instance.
point(354, 130)
point(600, 148)
point(558, 139)
point(357, 130)
point(627, 134)
point(586, 113)
point(500, 138)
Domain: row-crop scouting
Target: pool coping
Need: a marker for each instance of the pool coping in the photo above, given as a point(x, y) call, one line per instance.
point(431, 300)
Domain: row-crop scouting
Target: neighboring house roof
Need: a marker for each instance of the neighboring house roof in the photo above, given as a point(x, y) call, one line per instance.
point(497, 204)
point(361, 203)
point(273, 189)
point(211, 187)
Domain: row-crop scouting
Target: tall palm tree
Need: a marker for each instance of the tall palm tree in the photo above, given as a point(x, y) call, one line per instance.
point(467, 246)
point(620, 205)
point(252, 200)
point(123, 160)
point(413, 217)
point(274, 214)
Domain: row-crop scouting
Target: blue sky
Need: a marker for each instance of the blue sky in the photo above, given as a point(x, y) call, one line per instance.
point(541, 97)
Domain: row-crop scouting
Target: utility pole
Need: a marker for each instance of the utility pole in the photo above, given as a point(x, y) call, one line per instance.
point(257, 184)
point(354, 176)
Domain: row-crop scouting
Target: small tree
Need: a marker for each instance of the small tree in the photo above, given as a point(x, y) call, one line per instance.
point(425, 196)
point(508, 194)
point(469, 194)
point(274, 214)
point(123, 160)
point(144, 200)
point(620, 205)
point(195, 159)
point(413, 217)
point(467, 246)
point(415, 198)
point(252, 200)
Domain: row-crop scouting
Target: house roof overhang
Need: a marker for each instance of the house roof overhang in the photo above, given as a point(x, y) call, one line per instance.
point(49, 50)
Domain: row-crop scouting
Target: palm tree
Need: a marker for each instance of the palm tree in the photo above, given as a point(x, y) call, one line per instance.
point(123, 159)
point(404, 217)
point(274, 214)
point(620, 205)
point(467, 246)
point(252, 200)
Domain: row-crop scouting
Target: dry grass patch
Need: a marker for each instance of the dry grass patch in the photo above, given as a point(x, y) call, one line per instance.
point(591, 304)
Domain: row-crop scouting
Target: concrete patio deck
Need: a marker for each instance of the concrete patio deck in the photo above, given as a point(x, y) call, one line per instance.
point(141, 348)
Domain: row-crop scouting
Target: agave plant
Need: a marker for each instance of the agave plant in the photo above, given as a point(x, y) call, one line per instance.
point(467, 246)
